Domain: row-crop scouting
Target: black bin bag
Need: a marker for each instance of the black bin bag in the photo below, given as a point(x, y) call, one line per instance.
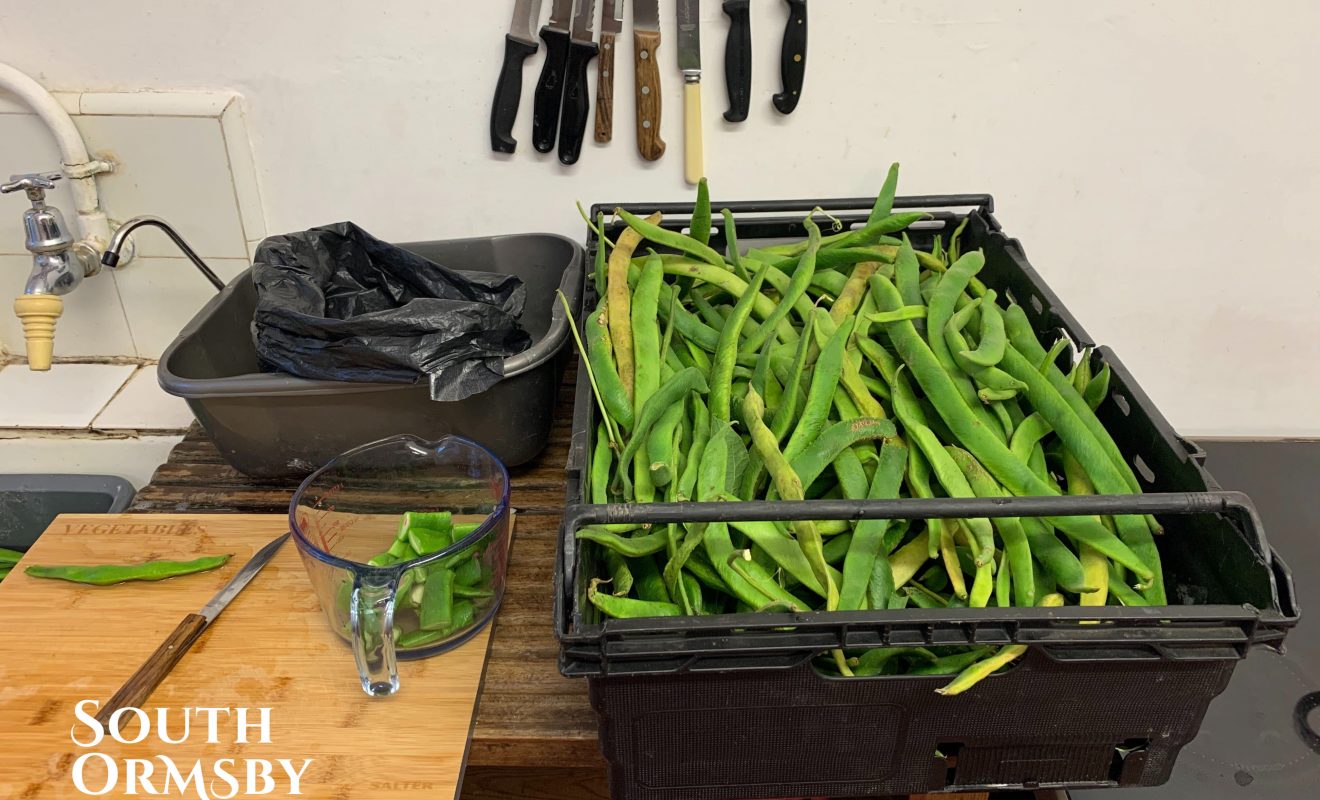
point(336, 303)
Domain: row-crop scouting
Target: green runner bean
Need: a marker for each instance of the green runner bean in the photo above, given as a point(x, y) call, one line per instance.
point(108, 574)
point(859, 565)
point(726, 351)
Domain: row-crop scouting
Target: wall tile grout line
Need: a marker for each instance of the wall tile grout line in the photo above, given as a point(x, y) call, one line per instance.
point(116, 393)
point(229, 167)
point(69, 398)
point(128, 323)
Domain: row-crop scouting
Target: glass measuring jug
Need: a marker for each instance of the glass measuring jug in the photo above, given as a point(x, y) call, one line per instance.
point(406, 543)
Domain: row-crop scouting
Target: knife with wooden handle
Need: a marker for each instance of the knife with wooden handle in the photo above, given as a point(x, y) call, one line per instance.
point(738, 59)
point(689, 61)
point(611, 23)
point(550, 88)
point(646, 72)
point(793, 57)
point(154, 670)
point(518, 45)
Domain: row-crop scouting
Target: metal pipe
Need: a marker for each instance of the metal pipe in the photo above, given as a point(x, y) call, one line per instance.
point(110, 257)
point(916, 508)
point(80, 168)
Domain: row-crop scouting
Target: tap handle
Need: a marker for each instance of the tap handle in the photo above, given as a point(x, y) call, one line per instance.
point(34, 183)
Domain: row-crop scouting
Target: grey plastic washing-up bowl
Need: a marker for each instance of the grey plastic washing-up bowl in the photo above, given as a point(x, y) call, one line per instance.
point(29, 503)
point(273, 424)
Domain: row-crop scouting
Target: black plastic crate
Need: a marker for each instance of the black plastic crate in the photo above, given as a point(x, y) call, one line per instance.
point(729, 706)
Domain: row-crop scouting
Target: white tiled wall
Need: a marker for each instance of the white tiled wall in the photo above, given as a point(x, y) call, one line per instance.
point(141, 405)
point(160, 295)
point(133, 457)
point(182, 156)
point(69, 397)
point(88, 418)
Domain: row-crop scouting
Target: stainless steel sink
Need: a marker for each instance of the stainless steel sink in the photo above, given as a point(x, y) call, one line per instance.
point(28, 503)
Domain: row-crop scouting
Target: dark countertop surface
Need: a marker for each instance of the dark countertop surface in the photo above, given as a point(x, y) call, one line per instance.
point(1260, 737)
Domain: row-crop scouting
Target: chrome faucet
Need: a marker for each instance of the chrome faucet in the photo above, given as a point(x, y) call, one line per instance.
point(58, 262)
point(110, 257)
point(58, 265)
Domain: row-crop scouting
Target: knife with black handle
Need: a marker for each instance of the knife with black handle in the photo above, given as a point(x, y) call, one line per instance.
point(518, 45)
point(793, 57)
point(577, 98)
point(738, 59)
point(550, 88)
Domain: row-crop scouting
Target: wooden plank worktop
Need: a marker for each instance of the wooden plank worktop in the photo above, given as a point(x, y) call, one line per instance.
point(528, 714)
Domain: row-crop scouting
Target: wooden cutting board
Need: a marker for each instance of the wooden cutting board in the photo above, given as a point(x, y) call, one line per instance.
point(62, 643)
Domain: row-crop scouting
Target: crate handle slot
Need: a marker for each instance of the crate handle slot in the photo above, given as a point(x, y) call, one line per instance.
point(1143, 469)
point(1129, 762)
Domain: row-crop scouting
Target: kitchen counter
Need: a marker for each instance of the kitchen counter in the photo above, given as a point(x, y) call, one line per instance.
point(535, 734)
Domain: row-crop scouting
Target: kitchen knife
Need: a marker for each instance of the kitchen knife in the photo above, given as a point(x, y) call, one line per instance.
point(738, 59)
point(611, 23)
point(793, 57)
point(646, 77)
point(577, 99)
point(148, 676)
point(689, 60)
point(518, 45)
point(550, 88)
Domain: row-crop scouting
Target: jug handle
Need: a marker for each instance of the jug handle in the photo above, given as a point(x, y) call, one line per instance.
point(372, 620)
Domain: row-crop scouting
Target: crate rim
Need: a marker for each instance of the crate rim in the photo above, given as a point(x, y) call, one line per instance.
point(981, 201)
point(1013, 619)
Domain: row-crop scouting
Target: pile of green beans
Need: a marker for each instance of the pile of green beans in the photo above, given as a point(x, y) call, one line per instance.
point(845, 365)
point(435, 601)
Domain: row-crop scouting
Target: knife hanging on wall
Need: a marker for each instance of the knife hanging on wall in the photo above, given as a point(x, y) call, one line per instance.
point(646, 77)
point(577, 97)
point(550, 88)
point(611, 23)
point(689, 61)
point(518, 45)
point(738, 59)
point(793, 57)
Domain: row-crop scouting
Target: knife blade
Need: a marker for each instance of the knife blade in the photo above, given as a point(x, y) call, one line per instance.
point(646, 77)
point(518, 45)
point(577, 100)
point(793, 57)
point(738, 59)
point(689, 61)
point(148, 676)
point(550, 88)
point(611, 24)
